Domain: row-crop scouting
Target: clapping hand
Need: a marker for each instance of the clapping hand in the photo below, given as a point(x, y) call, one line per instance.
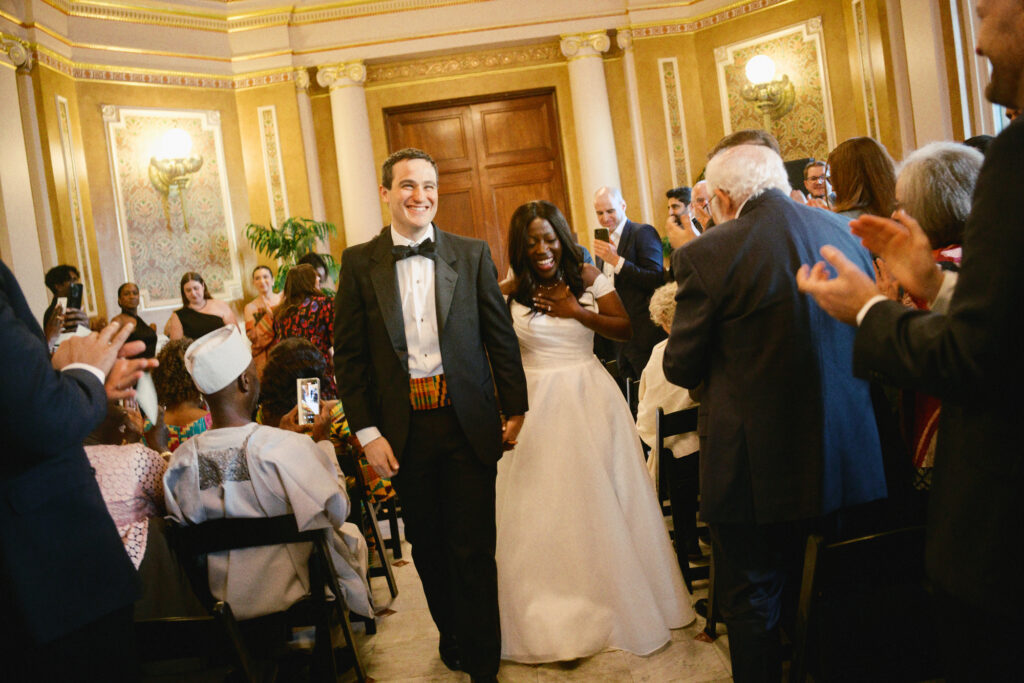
point(906, 250)
point(842, 296)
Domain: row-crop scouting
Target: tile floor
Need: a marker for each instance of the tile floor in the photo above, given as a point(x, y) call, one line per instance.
point(404, 650)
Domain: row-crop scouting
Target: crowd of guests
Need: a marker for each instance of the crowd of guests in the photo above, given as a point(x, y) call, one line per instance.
point(847, 346)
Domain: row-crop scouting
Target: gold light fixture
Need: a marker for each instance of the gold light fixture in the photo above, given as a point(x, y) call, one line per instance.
point(171, 169)
point(773, 97)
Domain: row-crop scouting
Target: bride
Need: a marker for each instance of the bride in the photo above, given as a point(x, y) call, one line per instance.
point(584, 559)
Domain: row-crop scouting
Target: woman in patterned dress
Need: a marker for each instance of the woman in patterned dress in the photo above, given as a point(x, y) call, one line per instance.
point(186, 415)
point(305, 312)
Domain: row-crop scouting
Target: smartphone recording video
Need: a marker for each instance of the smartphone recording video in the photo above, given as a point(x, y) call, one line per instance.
point(308, 390)
point(75, 295)
point(602, 234)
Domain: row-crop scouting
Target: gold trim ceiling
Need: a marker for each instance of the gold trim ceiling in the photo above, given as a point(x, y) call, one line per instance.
point(476, 61)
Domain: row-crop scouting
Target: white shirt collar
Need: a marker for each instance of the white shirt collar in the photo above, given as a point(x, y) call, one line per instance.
point(398, 239)
point(616, 234)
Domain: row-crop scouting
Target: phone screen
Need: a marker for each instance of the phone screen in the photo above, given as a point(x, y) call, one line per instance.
point(308, 390)
point(602, 234)
point(75, 295)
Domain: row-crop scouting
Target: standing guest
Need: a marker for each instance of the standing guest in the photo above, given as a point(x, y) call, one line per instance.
point(425, 357)
point(863, 177)
point(970, 359)
point(319, 265)
point(66, 584)
point(260, 332)
point(186, 414)
point(200, 314)
point(305, 312)
point(680, 227)
point(59, 280)
point(700, 206)
point(816, 182)
point(788, 436)
point(654, 392)
point(556, 604)
point(128, 300)
point(633, 261)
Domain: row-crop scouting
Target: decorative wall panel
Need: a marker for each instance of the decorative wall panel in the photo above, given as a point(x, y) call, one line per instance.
point(277, 193)
point(675, 121)
point(155, 253)
point(83, 258)
point(799, 52)
point(868, 74)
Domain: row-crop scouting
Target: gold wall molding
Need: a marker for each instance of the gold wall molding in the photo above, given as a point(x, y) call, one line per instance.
point(464, 63)
point(658, 29)
point(83, 256)
point(18, 52)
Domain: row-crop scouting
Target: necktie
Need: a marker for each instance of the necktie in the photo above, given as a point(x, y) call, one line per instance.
point(425, 249)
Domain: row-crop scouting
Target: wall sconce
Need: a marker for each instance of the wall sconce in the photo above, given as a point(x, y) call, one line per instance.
point(772, 97)
point(171, 169)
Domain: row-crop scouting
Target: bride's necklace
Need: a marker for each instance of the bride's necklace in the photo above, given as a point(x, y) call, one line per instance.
point(550, 287)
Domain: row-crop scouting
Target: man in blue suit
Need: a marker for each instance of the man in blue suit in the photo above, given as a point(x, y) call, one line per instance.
point(633, 259)
point(66, 584)
point(787, 434)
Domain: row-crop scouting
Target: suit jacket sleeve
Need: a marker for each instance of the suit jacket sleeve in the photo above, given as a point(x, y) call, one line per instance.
point(970, 352)
point(44, 411)
point(352, 362)
point(646, 270)
point(686, 356)
point(500, 338)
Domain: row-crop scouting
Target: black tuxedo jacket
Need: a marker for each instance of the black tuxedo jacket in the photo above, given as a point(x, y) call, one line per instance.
point(479, 349)
point(62, 563)
point(641, 274)
point(971, 358)
point(786, 431)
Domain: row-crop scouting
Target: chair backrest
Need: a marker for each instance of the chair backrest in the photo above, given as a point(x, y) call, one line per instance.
point(864, 611)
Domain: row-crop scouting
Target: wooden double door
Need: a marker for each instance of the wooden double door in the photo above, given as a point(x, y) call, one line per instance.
point(492, 155)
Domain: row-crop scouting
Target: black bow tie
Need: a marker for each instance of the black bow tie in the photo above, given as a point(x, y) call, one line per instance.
point(424, 248)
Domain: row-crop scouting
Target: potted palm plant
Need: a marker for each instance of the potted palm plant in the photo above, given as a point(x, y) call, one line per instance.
point(289, 242)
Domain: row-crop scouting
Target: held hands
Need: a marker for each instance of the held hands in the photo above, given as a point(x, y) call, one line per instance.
point(510, 431)
point(378, 453)
point(606, 252)
point(158, 437)
point(906, 250)
point(106, 351)
point(559, 303)
point(843, 296)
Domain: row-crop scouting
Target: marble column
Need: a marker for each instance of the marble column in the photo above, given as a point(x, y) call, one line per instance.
point(624, 39)
point(595, 139)
point(19, 238)
point(357, 172)
point(316, 188)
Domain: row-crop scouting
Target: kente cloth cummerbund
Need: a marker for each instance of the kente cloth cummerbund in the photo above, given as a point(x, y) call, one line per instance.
point(428, 393)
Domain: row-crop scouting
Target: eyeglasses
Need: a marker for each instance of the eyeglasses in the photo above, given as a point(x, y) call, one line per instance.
point(819, 179)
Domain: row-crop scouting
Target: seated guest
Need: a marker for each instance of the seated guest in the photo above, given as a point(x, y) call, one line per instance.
point(657, 392)
point(59, 280)
point(259, 315)
point(864, 178)
point(242, 469)
point(185, 414)
point(200, 314)
point(294, 359)
point(305, 312)
point(128, 300)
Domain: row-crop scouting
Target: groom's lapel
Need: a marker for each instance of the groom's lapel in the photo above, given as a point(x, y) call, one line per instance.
point(445, 277)
point(385, 285)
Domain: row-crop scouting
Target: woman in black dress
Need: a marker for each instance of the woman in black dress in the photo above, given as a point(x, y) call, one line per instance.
point(201, 313)
point(128, 300)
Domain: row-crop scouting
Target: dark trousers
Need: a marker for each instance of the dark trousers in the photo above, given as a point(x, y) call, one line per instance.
point(447, 497)
point(757, 583)
point(977, 644)
point(683, 478)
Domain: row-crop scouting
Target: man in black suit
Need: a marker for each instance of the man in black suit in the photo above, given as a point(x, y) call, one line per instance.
point(66, 584)
point(969, 356)
point(634, 259)
point(423, 342)
point(787, 435)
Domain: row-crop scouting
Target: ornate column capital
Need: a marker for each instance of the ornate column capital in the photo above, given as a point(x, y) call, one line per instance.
point(624, 38)
point(341, 75)
point(301, 76)
point(585, 44)
point(18, 52)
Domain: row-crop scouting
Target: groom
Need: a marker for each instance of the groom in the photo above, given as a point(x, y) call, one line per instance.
point(420, 326)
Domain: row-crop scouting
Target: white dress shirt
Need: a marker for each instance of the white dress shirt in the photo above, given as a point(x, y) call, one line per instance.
point(415, 276)
point(614, 236)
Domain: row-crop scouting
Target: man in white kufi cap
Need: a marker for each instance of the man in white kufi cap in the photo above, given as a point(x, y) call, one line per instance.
point(239, 468)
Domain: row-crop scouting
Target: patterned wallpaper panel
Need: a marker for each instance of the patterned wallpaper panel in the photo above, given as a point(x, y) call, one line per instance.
point(156, 254)
point(798, 52)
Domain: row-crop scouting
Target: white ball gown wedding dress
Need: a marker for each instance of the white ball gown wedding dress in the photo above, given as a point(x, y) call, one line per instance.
point(584, 558)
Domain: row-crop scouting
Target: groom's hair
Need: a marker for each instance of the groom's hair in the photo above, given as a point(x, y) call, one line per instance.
point(387, 171)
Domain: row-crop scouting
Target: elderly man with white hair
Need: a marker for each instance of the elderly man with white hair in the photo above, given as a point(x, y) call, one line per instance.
point(787, 434)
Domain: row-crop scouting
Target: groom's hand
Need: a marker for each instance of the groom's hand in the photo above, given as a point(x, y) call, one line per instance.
point(510, 430)
point(379, 454)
